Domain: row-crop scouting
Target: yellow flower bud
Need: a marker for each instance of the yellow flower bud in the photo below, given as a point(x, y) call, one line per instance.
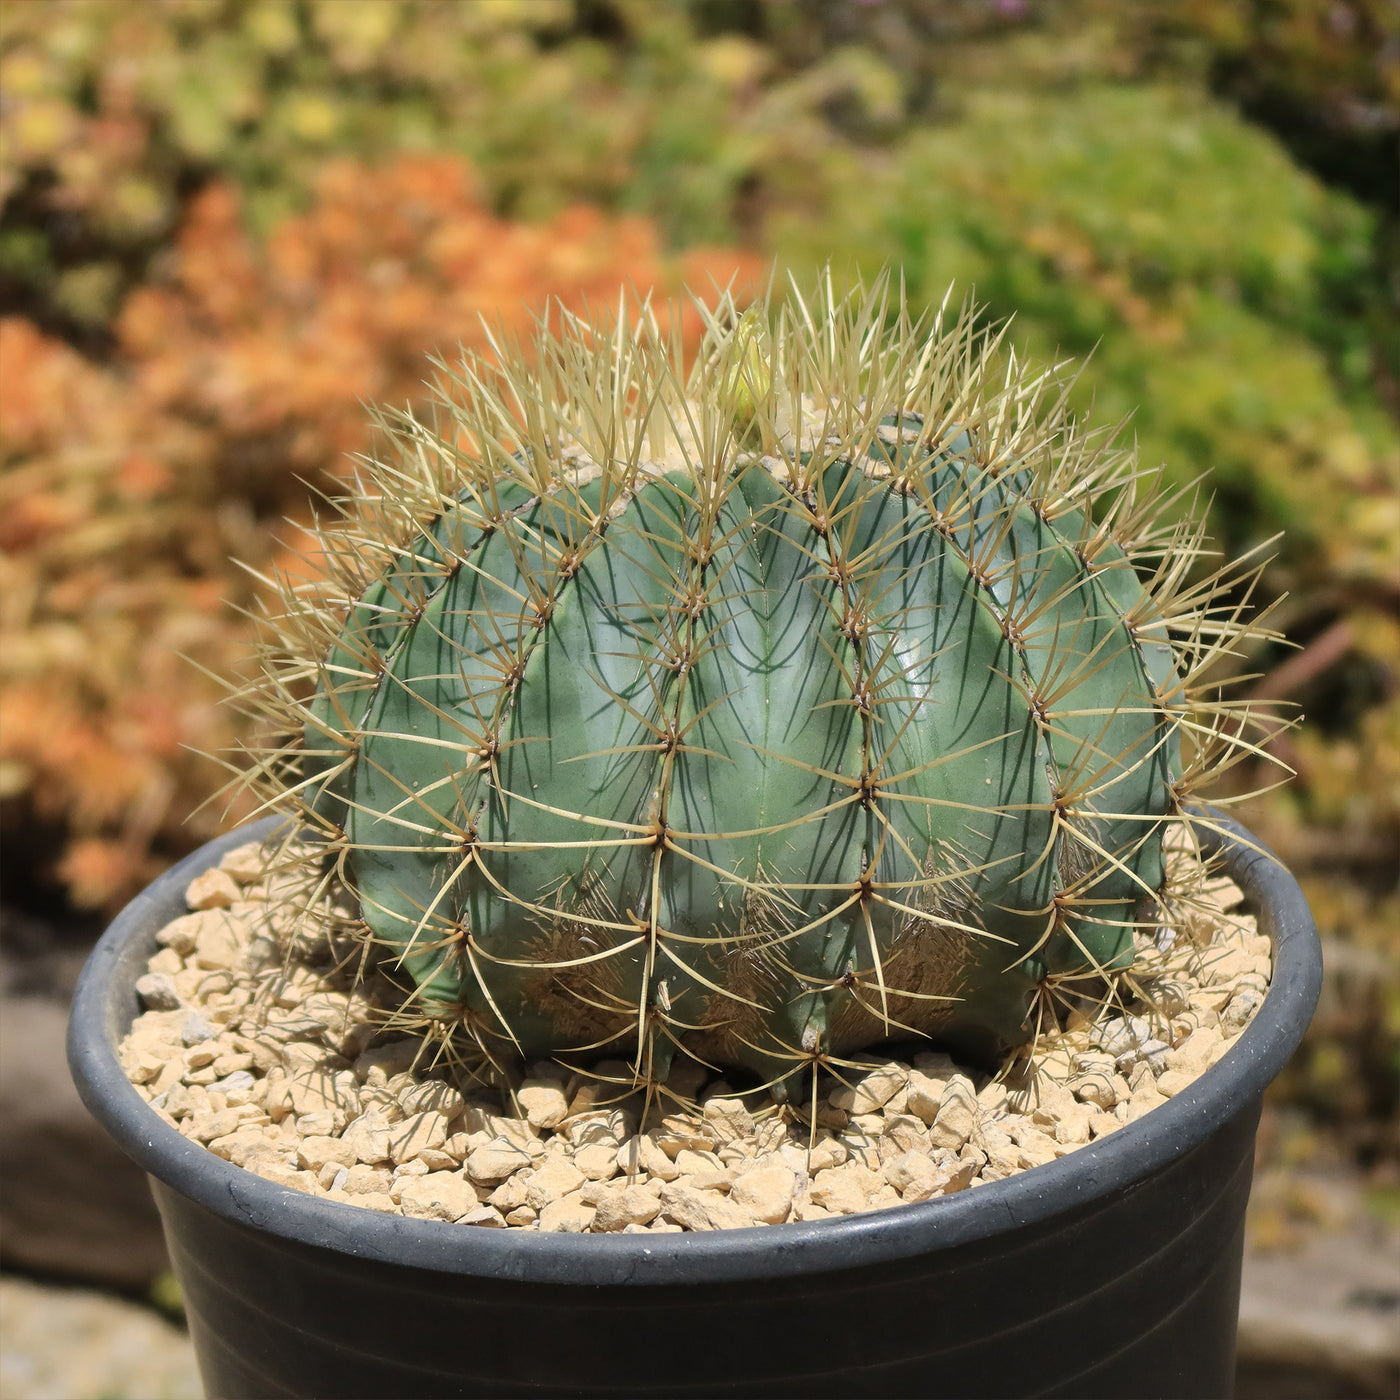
point(751, 373)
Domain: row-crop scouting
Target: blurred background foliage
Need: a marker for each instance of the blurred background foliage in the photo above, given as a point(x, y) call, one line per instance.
point(226, 223)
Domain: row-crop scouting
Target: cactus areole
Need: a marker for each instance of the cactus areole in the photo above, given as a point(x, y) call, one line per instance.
point(828, 691)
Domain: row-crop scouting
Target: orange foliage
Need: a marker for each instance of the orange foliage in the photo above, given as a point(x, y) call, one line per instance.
point(127, 488)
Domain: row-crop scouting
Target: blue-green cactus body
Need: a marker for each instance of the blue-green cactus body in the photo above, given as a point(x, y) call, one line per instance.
point(768, 763)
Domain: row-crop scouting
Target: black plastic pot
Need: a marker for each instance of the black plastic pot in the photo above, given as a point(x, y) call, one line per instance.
point(1111, 1272)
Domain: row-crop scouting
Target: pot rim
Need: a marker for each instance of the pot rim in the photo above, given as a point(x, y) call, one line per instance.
point(1107, 1166)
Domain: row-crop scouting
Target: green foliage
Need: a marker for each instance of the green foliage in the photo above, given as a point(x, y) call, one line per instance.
point(1323, 74)
point(1195, 262)
point(769, 710)
point(116, 113)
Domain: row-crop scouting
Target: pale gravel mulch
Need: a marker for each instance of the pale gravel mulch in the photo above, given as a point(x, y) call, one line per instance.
point(255, 1043)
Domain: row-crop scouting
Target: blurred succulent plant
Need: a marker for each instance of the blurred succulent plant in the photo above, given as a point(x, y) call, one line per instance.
point(839, 687)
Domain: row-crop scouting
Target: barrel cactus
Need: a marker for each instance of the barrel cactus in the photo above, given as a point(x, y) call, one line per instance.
point(835, 688)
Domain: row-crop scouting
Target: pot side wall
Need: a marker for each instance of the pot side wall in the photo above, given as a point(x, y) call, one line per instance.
point(1137, 1297)
point(1113, 1271)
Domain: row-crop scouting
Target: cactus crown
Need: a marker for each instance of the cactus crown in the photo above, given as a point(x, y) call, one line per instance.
point(833, 688)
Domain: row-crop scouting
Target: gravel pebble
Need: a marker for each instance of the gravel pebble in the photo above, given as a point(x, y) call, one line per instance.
point(495, 1160)
point(569, 1215)
point(157, 992)
point(765, 1193)
point(436, 1196)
